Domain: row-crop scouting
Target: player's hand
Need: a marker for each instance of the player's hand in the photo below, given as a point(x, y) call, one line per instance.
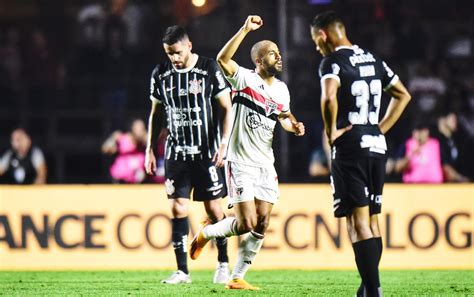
point(299, 128)
point(338, 133)
point(252, 23)
point(218, 157)
point(150, 162)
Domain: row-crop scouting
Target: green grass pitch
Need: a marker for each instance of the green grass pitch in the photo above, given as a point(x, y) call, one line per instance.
point(272, 282)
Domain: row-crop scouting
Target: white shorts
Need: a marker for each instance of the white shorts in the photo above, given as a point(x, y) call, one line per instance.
point(246, 183)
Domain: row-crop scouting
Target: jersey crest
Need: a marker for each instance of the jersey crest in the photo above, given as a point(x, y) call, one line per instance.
point(270, 107)
point(195, 86)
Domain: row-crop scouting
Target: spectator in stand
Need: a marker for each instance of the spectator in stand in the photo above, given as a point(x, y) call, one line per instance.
point(11, 67)
point(23, 163)
point(427, 89)
point(41, 71)
point(447, 127)
point(116, 74)
point(129, 148)
point(420, 160)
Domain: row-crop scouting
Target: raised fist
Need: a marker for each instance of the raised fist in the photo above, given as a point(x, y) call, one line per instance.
point(253, 22)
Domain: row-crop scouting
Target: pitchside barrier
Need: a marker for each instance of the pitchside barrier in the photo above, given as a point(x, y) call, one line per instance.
point(128, 227)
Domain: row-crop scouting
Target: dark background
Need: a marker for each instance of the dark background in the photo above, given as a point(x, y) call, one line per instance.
point(58, 70)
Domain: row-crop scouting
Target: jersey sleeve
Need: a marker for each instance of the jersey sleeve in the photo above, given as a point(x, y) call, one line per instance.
point(220, 85)
point(389, 78)
point(5, 160)
point(37, 158)
point(238, 80)
point(286, 103)
point(329, 68)
point(155, 95)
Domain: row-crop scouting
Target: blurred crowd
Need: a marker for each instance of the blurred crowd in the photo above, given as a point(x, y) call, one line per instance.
point(75, 78)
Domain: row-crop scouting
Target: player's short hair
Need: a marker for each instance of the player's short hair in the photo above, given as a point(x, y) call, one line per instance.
point(174, 34)
point(325, 19)
point(257, 47)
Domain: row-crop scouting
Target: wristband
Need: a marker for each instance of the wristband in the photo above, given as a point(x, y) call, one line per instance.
point(224, 140)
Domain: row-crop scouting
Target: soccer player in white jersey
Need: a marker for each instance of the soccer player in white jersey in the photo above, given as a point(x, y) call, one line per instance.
point(260, 99)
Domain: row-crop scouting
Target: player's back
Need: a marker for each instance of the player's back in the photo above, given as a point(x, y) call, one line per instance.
point(362, 77)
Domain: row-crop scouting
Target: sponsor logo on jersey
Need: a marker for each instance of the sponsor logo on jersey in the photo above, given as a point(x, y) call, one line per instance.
point(199, 71)
point(253, 121)
point(195, 86)
point(181, 119)
point(361, 58)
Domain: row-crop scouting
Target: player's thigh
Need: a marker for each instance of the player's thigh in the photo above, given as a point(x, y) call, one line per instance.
point(349, 186)
point(266, 186)
point(207, 180)
point(241, 182)
point(178, 179)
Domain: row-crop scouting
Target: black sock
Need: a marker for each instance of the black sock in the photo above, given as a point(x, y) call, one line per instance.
point(367, 256)
point(221, 243)
point(180, 230)
point(378, 241)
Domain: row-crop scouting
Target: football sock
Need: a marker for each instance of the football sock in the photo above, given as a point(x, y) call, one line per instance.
point(367, 256)
point(378, 241)
point(224, 228)
point(179, 237)
point(248, 249)
point(221, 243)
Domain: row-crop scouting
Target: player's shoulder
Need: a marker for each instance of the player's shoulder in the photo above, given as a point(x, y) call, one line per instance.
point(161, 68)
point(206, 62)
point(280, 84)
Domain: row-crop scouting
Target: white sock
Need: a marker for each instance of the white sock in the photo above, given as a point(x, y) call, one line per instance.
point(249, 248)
point(224, 228)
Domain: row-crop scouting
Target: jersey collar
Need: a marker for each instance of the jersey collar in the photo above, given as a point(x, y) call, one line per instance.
point(354, 46)
point(195, 57)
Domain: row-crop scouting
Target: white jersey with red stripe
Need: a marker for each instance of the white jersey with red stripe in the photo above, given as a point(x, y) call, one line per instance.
point(256, 106)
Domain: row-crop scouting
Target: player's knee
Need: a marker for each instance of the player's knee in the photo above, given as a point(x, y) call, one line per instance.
point(214, 212)
point(362, 228)
point(262, 224)
point(247, 225)
point(179, 210)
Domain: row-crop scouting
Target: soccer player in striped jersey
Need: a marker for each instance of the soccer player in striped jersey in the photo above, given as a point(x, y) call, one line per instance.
point(259, 101)
point(187, 90)
point(352, 80)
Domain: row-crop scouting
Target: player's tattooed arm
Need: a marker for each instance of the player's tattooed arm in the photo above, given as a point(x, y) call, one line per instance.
point(400, 99)
point(154, 128)
point(329, 109)
point(290, 124)
point(224, 57)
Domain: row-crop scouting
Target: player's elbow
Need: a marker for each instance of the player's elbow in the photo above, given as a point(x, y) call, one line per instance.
point(406, 97)
point(221, 59)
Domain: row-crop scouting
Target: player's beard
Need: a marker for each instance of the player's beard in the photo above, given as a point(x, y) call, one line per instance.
point(273, 69)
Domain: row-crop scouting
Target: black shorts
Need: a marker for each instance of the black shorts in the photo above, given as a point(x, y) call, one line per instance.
point(207, 181)
point(357, 183)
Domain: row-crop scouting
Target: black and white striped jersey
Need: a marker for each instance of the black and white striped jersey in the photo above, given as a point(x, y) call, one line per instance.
point(188, 96)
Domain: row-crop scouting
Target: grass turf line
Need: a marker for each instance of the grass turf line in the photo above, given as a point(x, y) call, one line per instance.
point(272, 282)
